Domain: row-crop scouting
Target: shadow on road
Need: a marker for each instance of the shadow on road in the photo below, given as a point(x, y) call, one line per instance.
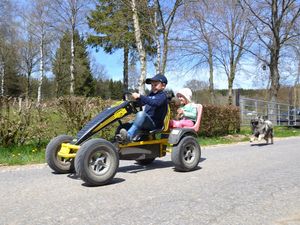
point(260, 144)
point(114, 181)
point(157, 164)
point(135, 168)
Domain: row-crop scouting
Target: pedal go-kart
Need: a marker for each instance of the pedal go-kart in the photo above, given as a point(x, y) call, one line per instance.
point(96, 160)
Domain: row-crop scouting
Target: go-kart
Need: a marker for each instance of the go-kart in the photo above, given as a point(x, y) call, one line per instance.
point(96, 160)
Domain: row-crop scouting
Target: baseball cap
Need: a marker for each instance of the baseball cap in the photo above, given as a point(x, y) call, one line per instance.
point(157, 77)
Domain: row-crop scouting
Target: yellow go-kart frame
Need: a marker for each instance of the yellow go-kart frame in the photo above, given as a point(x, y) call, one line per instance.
point(96, 160)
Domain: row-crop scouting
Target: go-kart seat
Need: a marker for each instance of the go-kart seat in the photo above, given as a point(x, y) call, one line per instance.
point(196, 126)
point(166, 123)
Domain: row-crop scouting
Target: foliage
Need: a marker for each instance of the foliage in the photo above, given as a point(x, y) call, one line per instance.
point(219, 120)
point(111, 19)
point(9, 63)
point(20, 122)
point(21, 155)
point(84, 82)
point(77, 111)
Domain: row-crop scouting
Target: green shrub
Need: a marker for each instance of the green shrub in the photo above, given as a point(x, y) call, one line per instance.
point(21, 122)
point(219, 120)
point(75, 112)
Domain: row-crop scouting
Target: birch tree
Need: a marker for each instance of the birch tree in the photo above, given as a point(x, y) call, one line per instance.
point(162, 23)
point(274, 22)
point(39, 20)
point(69, 15)
point(29, 55)
point(140, 46)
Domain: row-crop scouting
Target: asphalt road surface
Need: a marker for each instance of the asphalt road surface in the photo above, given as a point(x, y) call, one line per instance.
point(234, 184)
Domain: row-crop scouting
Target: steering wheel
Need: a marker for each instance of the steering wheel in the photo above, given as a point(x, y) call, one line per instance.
point(127, 96)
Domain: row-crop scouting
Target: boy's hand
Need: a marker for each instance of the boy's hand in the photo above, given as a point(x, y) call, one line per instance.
point(136, 95)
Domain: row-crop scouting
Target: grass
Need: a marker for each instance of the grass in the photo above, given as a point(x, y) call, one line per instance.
point(21, 155)
point(30, 154)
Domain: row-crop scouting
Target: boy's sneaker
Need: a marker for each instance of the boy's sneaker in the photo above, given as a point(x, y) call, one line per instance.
point(122, 137)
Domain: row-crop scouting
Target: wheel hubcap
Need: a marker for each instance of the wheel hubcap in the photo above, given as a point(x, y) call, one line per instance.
point(189, 153)
point(99, 162)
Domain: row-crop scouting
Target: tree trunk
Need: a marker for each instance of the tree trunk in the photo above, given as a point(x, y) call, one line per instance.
point(230, 85)
point(2, 79)
point(125, 70)
point(296, 84)
point(211, 75)
point(27, 95)
point(39, 96)
point(72, 66)
point(158, 45)
point(140, 47)
point(165, 52)
point(274, 75)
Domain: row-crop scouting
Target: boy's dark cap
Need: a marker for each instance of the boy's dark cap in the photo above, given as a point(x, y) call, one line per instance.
point(157, 77)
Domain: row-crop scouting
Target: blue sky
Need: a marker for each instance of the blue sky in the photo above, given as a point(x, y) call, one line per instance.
point(113, 64)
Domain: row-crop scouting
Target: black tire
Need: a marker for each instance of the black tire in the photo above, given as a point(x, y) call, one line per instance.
point(144, 162)
point(186, 155)
point(59, 164)
point(97, 162)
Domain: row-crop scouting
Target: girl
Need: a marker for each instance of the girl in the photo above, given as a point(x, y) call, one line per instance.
point(187, 113)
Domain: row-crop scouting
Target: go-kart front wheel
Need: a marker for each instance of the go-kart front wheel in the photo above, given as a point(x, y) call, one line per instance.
point(186, 155)
point(97, 162)
point(59, 164)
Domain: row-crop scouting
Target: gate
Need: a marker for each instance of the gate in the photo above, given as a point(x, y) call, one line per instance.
point(280, 114)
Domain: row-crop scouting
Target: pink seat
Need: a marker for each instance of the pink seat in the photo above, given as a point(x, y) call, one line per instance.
point(196, 126)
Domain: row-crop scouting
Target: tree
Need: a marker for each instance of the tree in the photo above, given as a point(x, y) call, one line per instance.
point(274, 22)
point(69, 15)
point(38, 20)
point(29, 56)
point(111, 20)
point(83, 79)
point(198, 40)
point(235, 29)
point(162, 24)
point(9, 58)
point(140, 46)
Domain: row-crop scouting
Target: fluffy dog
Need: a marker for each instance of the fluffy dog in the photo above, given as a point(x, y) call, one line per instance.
point(261, 129)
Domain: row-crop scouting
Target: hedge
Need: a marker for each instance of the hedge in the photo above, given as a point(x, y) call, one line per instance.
point(219, 120)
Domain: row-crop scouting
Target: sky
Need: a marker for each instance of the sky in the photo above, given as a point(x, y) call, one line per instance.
point(113, 64)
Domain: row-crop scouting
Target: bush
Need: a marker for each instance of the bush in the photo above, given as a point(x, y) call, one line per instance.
point(75, 112)
point(219, 120)
point(16, 122)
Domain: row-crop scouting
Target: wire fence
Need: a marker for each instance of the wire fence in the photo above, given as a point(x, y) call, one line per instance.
point(280, 114)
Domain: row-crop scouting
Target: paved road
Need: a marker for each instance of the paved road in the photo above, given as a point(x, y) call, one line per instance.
point(235, 184)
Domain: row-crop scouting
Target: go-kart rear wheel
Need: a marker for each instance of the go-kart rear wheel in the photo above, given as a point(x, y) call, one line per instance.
point(59, 164)
point(186, 155)
point(144, 162)
point(97, 162)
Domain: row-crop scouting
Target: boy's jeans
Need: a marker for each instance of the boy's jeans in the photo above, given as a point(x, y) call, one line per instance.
point(142, 121)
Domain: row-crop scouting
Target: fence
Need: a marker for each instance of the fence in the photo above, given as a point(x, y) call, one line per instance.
point(280, 114)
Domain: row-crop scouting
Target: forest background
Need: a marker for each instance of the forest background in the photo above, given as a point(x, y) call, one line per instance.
point(47, 48)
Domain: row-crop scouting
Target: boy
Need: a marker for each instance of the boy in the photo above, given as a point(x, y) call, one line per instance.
point(156, 107)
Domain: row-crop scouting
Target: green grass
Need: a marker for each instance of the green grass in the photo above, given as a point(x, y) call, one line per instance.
point(21, 155)
point(205, 141)
point(30, 154)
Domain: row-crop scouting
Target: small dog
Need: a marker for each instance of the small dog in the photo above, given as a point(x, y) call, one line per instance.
point(261, 129)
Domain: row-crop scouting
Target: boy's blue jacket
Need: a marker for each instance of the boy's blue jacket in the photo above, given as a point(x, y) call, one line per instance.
point(156, 106)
